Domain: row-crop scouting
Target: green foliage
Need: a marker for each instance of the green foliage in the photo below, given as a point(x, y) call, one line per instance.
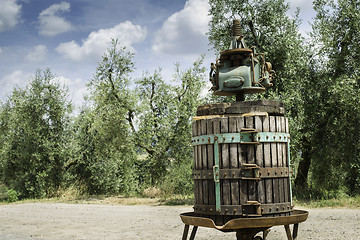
point(34, 133)
point(105, 156)
point(13, 195)
point(336, 153)
point(164, 119)
point(122, 124)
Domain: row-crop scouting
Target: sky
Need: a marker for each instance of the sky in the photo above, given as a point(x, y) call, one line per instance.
point(70, 36)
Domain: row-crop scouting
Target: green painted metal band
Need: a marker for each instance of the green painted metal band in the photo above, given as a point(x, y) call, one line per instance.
point(242, 137)
point(216, 175)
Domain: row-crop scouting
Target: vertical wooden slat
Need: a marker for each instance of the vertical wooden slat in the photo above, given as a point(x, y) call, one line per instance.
point(204, 164)
point(234, 164)
point(289, 199)
point(284, 159)
point(195, 167)
point(219, 220)
point(267, 162)
point(250, 152)
point(199, 163)
point(274, 161)
point(210, 162)
point(240, 123)
point(280, 159)
point(225, 164)
point(259, 155)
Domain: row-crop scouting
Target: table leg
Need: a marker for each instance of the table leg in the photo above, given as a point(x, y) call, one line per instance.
point(288, 232)
point(193, 232)
point(295, 231)
point(186, 231)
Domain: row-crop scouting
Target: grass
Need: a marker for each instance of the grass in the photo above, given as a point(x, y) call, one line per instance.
point(154, 197)
point(344, 202)
point(350, 202)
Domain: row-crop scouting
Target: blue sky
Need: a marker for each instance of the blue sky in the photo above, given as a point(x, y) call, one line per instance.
point(70, 37)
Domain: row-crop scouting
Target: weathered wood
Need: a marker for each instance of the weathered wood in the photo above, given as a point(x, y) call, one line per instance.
point(234, 163)
point(280, 159)
point(210, 163)
point(267, 162)
point(284, 160)
point(199, 162)
point(240, 123)
point(250, 156)
point(238, 191)
point(274, 161)
point(219, 220)
point(259, 158)
point(195, 148)
point(269, 106)
point(225, 164)
point(205, 192)
point(287, 163)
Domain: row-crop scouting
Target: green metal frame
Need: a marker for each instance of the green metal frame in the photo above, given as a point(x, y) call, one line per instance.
point(246, 137)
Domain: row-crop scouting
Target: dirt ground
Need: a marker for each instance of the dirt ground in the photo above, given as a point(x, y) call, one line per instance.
point(93, 221)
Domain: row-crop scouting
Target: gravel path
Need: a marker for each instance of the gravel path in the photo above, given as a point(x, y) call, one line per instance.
point(91, 221)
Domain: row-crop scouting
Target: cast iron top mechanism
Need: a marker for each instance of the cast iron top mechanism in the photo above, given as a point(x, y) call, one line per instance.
point(240, 70)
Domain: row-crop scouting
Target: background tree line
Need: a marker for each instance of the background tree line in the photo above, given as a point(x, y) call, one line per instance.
point(134, 133)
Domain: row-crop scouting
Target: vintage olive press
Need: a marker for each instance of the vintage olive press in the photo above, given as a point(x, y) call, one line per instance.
point(241, 152)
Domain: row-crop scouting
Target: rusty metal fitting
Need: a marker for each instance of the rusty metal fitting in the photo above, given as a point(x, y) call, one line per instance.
point(236, 28)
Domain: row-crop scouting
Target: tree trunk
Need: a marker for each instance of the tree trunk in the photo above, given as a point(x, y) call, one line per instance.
point(301, 180)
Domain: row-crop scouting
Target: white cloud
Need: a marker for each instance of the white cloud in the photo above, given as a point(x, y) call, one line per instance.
point(97, 42)
point(9, 14)
point(51, 23)
point(37, 54)
point(15, 79)
point(77, 89)
point(184, 31)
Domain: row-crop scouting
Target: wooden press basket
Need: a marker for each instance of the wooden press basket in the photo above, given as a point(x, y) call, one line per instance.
point(241, 160)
